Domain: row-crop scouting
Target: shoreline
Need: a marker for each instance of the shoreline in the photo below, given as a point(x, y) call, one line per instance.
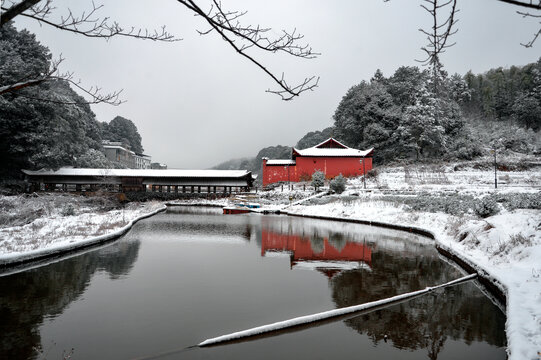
point(498, 290)
point(490, 279)
point(16, 259)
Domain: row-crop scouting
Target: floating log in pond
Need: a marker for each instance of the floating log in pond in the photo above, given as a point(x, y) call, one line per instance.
point(277, 326)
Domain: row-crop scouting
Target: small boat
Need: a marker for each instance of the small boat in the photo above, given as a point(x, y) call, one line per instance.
point(248, 205)
point(232, 210)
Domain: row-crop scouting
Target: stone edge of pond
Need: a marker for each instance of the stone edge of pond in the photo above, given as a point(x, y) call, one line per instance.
point(42, 254)
point(495, 287)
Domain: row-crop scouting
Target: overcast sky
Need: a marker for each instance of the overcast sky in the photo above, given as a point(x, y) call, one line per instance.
point(197, 103)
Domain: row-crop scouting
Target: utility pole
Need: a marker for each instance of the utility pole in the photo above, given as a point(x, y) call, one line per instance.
point(288, 178)
point(495, 169)
point(364, 172)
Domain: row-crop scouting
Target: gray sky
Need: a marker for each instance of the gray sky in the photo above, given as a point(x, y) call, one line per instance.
point(196, 103)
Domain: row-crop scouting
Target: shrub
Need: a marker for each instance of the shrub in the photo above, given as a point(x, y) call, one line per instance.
point(318, 179)
point(372, 174)
point(338, 184)
point(486, 207)
point(68, 210)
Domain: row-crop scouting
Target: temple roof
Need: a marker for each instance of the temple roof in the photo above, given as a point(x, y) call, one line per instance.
point(332, 147)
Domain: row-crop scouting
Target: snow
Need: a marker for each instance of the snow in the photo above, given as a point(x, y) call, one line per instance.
point(326, 314)
point(139, 172)
point(281, 162)
point(57, 233)
point(505, 247)
point(313, 151)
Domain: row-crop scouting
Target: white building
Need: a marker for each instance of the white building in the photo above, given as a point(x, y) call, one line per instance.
point(142, 161)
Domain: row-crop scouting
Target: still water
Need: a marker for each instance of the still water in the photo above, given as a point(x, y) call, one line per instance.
point(190, 274)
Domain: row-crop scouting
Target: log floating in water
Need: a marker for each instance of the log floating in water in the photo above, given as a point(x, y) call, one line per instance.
point(327, 314)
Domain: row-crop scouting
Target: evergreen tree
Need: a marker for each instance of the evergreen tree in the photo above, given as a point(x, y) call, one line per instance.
point(123, 130)
point(318, 179)
point(47, 125)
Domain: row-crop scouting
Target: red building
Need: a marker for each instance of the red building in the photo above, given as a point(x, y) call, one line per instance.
point(331, 157)
point(301, 251)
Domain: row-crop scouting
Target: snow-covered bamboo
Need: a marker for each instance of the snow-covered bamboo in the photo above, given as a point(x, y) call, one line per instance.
point(280, 325)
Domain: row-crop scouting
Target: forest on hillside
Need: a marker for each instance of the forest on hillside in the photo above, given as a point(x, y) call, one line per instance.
point(49, 125)
point(413, 115)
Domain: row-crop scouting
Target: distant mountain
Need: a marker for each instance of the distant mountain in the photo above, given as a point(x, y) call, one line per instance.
point(274, 152)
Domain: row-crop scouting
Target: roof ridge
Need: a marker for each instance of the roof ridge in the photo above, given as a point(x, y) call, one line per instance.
point(330, 139)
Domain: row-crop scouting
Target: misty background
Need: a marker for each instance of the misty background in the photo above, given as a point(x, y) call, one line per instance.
point(197, 103)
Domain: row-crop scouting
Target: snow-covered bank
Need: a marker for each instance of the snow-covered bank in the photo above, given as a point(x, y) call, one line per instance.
point(505, 246)
point(51, 230)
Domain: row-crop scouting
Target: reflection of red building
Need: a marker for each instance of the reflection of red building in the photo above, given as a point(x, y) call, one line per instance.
point(331, 157)
point(301, 249)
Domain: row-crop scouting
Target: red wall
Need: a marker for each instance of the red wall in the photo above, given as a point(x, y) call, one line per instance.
point(331, 167)
point(276, 173)
point(301, 248)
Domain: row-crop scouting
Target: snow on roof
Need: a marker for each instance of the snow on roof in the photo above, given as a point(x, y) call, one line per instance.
point(281, 162)
point(139, 172)
point(313, 151)
point(105, 146)
point(325, 151)
point(331, 139)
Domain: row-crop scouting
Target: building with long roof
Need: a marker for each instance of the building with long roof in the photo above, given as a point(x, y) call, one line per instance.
point(330, 157)
point(178, 181)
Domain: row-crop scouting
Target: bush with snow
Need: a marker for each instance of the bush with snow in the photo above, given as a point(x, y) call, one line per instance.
point(338, 184)
point(486, 207)
point(318, 179)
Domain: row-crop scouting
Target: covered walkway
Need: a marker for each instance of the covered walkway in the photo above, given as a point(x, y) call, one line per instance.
point(140, 180)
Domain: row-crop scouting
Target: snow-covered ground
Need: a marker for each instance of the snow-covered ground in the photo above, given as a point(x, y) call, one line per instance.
point(44, 224)
point(497, 230)
point(506, 245)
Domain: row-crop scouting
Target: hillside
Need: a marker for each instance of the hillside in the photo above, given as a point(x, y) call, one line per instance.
point(405, 120)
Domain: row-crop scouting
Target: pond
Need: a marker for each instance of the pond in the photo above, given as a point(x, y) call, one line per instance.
point(190, 274)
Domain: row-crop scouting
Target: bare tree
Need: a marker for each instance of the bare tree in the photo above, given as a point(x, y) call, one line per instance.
point(438, 36)
point(440, 32)
point(242, 38)
point(442, 37)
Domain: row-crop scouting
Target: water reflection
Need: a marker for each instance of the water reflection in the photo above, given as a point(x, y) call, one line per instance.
point(398, 264)
point(329, 256)
point(29, 297)
point(197, 272)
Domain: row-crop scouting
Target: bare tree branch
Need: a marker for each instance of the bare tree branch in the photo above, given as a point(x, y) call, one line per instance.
point(87, 23)
point(242, 38)
point(94, 93)
point(227, 24)
point(15, 10)
point(440, 31)
point(528, 4)
point(530, 43)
